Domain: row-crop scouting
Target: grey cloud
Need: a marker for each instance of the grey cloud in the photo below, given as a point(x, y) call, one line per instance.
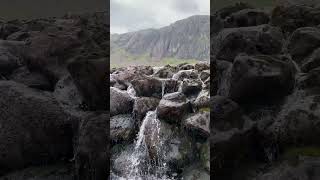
point(131, 18)
point(186, 5)
point(127, 16)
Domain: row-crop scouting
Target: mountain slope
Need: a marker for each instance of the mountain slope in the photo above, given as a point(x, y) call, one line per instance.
point(185, 39)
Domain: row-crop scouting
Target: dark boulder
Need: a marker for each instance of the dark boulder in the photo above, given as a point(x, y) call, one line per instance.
point(8, 28)
point(246, 18)
point(198, 124)
point(201, 66)
point(50, 52)
point(92, 150)
point(185, 74)
point(232, 134)
point(120, 102)
point(154, 87)
point(257, 78)
point(142, 105)
point(263, 39)
point(204, 75)
point(310, 81)
point(222, 79)
point(90, 77)
point(166, 71)
point(303, 42)
point(177, 148)
point(298, 121)
point(170, 86)
point(232, 149)
point(31, 79)
point(19, 36)
point(186, 67)
point(121, 128)
point(116, 84)
point(312, 62)
point(306, 168)
point(173, 107)
point(10, 56)
point(147, 86)
point(191, 87)
point(236, 7)
point(121, 161)
point(50, 172)
point(35, 129)
point(203, 100)
point(68, 96)
point(124, 76)
point(226, 114)
point(195, 172)
point(290, 15)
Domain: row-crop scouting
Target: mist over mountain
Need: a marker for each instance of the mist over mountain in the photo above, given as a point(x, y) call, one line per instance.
point(185, 39)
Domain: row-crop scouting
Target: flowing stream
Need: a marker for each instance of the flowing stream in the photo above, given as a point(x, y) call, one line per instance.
point(140, 165)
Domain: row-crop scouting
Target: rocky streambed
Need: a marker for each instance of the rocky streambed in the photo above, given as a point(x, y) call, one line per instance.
point(159, 124)
point(265, 113)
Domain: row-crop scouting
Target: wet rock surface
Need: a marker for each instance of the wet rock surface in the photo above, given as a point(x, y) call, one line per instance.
point(264, 106)
point(171, 123)
point(53, 83)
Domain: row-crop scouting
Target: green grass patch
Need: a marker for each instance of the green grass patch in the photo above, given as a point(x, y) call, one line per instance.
point(293, 154)
point(205, 109)
point(121, 58)
point(176, 61)
point(302, 151)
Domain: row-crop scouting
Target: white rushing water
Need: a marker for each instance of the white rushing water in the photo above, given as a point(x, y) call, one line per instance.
point(163, 87)
point(140, 164)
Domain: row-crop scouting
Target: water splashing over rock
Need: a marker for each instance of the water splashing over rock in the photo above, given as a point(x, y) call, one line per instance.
point(142, 160)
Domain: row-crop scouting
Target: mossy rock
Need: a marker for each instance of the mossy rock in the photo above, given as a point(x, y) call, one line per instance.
point(205, 155)
point(205, 109)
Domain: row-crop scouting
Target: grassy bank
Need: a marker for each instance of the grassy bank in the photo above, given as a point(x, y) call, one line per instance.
point(120, 58)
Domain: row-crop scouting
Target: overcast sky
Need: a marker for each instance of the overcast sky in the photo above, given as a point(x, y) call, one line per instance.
point(133, 15)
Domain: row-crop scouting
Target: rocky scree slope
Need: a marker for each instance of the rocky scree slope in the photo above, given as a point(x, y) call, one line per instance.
point(160, 122)
point(185, 39)
point(54, 117)
point(265, 93)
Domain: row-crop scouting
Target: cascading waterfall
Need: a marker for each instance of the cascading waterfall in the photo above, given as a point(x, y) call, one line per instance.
point(145, 159)
point(141, 165)
point(131, 92)
point(163, 87)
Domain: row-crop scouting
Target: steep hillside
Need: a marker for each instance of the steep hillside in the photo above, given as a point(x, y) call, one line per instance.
point(185, 39)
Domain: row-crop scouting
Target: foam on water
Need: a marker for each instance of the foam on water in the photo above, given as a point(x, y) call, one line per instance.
point(141, 167)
